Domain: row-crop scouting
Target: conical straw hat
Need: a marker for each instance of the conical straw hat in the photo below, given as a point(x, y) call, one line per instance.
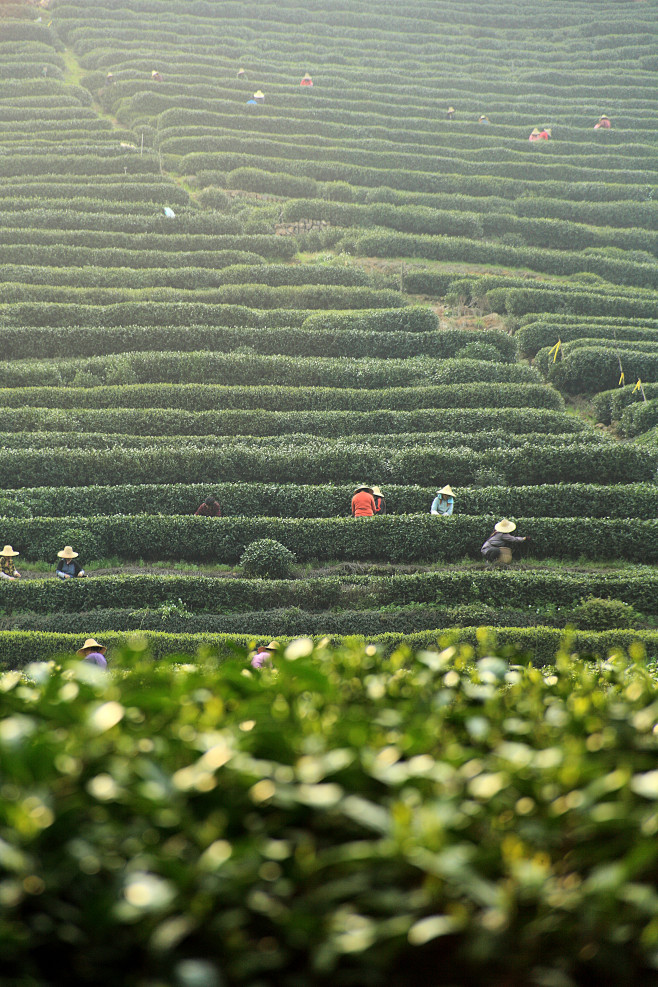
point(447, 490)
point(8, 550)
point(91, 645)
point(67, 553)
point(505, 526)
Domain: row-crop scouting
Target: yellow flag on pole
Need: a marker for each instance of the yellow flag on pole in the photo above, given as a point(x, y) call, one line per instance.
point(621, 379)
point(554, 350)
point(638, 386)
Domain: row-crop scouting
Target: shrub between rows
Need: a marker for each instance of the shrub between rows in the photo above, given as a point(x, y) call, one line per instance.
point(294, 621)
point(165, 422)
point(253, 295)
point(47, 342)
point(406, 396)
point(534, 336)
point(537, 232)
point(139, 249)
point(596, 368)
point(520, 301)
point(225, 368)
point(638, 500)
point(327, 462)
point(609, 405)
point(477, 441)
point(501, 588)
point(20, 648)
point(455, 248)
point(394, 538)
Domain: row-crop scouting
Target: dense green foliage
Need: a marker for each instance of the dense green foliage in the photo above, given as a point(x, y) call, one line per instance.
point(184, 815)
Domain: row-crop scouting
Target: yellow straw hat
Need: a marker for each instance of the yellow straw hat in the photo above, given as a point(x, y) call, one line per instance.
point(91, 645)
point(547, 130)
point(505, 526)
point(67, 553)
point(536, 131)
point(259, 95)
point(447, 490)
point(377, 492)
point(8, 551)
point(362, 486)
point(273, 646)
point(306, 75)
point(451, 109)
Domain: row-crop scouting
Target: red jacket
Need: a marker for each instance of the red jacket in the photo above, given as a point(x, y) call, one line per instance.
point(204, 511)
point(380, 504)
point(363, 504)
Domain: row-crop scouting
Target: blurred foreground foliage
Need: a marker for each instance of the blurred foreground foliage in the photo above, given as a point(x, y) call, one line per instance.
point(446, 817)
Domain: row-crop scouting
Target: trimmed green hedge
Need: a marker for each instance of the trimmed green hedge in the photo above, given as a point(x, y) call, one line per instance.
point(400, 395)
point(331, 424)
point(520, 301)
point(523, 589)
point(327, 462)
point(638, 500)
point(401, 538)
point(226, 368)
point(19, 648)
point(534, 336)
point(609, 405)
point(596, 368)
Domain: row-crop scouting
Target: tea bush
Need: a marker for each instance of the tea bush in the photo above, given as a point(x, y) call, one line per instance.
point(166, 820)
point(267, 557)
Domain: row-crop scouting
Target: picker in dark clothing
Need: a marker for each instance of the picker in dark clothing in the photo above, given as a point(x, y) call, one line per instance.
point(497, 546)
point(67, 567)
point(209, 508)
point(380, 503)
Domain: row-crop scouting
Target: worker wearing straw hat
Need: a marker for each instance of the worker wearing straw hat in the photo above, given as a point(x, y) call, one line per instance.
point(497, 546)
point(241, 73)
point(535, 134)
point(307, 80)
point(444, 502)
point(259, 96)
point(363, 502)
point(604, 123)
point(93, 653)
point(7, 568)
point(67, 567)
point(380, 503)
point(263, 657)
point(450, 113)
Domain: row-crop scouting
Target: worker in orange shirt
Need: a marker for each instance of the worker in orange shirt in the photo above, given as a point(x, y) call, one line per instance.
point(363, 502)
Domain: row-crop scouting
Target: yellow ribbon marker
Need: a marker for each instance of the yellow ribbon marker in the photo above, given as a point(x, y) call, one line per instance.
point(621, 379)
point(638, 386)
point(554, 350)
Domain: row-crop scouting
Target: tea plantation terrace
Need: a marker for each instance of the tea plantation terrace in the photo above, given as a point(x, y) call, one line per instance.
point(274, 302)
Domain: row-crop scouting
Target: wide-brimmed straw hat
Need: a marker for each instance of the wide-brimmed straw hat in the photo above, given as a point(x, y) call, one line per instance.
point(67, 553)
point(91, 645)
point(362, 486)
point(240, 71)
point(536, 131)
point(259, 95)
point(603, 116)
point(273, 646)
point(307, 75)
point(483, 117)
point(8, 550)
point(505, 526)
point(447, 490)
point(546, 130)
point(377, 492)
point(451, 109)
